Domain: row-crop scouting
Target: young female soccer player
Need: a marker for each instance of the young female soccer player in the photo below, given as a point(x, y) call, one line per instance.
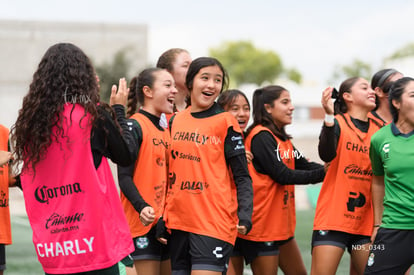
point(343, 218)
point(392, 189)
point(64, 134)
point(277, 165)
point(144, 183)
point(200, 206)
point(176, 61)
point(236, 103)
point(381, 82)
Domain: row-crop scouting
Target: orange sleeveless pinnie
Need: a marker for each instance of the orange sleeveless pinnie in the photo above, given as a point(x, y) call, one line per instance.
point(274, 215)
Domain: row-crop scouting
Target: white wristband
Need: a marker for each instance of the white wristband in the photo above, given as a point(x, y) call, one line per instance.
point(329, 119)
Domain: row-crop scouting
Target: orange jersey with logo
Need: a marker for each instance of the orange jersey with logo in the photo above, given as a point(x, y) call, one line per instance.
point(150, 174)
point(5, 228)
point(274, 215)
point(344, 202)
point(199, 197)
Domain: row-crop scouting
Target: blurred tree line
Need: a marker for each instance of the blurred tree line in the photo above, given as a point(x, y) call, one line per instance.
point(245, 63)
point(361, 68)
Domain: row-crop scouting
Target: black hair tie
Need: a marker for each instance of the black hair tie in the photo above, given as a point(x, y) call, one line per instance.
point(335, 94)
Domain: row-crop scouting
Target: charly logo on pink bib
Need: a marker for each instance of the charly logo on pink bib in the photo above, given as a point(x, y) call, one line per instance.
point(65, 248)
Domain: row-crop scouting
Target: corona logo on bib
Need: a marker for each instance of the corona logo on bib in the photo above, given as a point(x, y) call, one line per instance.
point(43, 194)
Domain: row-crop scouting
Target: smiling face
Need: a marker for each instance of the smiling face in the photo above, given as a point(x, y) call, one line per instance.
point(240, 109)
point(207, 85)
point(361, 95)
point(162, 94)
point(281, 110)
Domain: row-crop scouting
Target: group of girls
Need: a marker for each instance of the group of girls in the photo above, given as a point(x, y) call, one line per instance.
point(203, 137)
point(275, 166)
point(347, 206)
point(200, 193)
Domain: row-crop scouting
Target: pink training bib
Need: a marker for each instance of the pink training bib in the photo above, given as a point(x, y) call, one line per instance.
point(74, 209)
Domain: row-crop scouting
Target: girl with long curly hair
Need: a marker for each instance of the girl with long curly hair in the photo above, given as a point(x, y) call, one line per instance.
point(64, 135)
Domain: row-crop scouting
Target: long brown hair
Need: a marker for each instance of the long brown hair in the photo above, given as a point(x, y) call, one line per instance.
point(64, 75)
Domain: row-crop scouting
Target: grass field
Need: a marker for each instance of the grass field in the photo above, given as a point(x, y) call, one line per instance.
point(21, 258)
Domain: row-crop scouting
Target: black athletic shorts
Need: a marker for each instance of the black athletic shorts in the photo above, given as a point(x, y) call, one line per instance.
point(392, 252)
point(147, 247)
point(2, 257)
point(191, 251)
point(339, 239)
point(251, 249)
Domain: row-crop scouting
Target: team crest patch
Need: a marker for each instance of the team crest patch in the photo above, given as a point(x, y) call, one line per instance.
point(142, 242)
point(371, 259)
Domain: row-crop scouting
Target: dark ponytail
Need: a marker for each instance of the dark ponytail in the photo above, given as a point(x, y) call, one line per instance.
point(340, 104)
point(262, 96)
point(136, 86)
point(132, 97)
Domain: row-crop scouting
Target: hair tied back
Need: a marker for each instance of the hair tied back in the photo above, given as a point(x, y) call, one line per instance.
point(335, 93)
point(385, 76)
